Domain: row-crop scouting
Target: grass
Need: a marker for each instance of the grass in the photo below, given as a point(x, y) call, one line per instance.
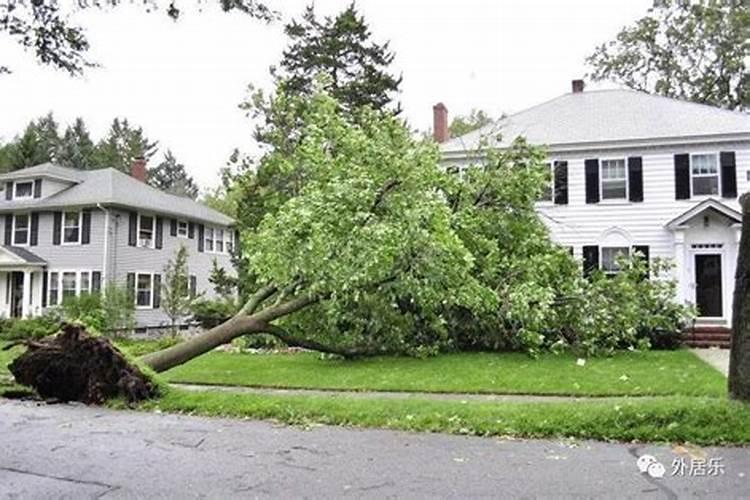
point(6, 357)
point(653, 373)
point(705, 421)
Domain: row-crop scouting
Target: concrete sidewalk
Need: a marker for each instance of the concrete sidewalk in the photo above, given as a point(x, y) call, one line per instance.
point(73, 451)
point(718, 358)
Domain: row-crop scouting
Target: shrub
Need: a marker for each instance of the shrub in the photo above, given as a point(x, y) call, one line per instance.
point(118, 309)
point(210, 313)
point(86, 309)
point(31, 328)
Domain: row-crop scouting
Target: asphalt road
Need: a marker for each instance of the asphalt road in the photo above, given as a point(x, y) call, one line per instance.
point(64, 451)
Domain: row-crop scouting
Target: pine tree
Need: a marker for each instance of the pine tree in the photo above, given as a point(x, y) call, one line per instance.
point(171, 176)
point(76, 149)
point(123, 144)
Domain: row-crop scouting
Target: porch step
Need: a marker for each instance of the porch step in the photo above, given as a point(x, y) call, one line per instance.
point(708, 336)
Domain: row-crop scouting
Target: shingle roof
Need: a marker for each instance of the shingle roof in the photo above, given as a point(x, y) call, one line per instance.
point(603, 116)
point(22, 253)
point(108, 186)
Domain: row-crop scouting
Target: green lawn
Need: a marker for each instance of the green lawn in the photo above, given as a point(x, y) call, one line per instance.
point(626, 374)
point(6, 357)
point(669, 419)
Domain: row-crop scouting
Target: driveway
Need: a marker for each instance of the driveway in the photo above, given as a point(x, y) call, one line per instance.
point(65, 451)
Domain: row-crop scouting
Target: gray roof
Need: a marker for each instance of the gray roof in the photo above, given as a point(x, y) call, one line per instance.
point(110, 187)
point(22, 253)
point(606, 116)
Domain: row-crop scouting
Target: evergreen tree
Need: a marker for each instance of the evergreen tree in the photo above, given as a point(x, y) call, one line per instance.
point(342, 48)
point(76, 149)
point(123, 144)
point(462, 125)
point(35, 146)
point(171, 176)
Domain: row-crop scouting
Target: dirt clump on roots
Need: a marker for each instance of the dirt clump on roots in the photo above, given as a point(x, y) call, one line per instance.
point(75, 366)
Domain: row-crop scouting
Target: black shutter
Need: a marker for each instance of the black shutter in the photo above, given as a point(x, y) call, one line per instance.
point(643, 249)
point(592, 181)
point(728, 175)
point(201, 234)
point(560, 195)
point(86, 229)
point(130, 285)
point(157, 291)
point(8, 190)
point(590, 259)
point(34, 237)
point(45, 279)
point(682, 177)
point(159, 232)
point(133, 229)
point(96, 282)
point(173, 227)
point(56, 227)
point(191, 230)
point(37, 188)
point(8, 229)
point(193, 286)
point(635, 178)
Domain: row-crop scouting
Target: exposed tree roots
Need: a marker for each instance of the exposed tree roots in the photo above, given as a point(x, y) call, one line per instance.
point(75, 366)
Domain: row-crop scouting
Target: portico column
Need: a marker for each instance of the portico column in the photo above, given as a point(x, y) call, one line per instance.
point(26, 297)
point(680, 274)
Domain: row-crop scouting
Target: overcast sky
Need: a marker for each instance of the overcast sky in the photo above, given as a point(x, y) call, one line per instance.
point(183, 81)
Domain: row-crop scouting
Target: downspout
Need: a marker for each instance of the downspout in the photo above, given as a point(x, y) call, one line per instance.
point(106, 245)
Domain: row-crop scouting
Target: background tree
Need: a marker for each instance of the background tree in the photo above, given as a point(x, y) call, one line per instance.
point(171, 176)
point(37, 144)
point(461, 125)
point(224, 284)
point(75, 148)
point(43, 26)
point(175, 288)
point(693, 50)
point(342, 48)
point(122, 144)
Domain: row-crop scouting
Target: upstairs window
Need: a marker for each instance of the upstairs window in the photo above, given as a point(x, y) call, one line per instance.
point(610, 256)
point(146, 231)
point(21, 229)
point(549, 186)
point(209, 239)
point(23, 190)
point(219, 241)
point(230, 241)
point(704, 170)
point(71, 227)
point(182, 229)
point(614, 180)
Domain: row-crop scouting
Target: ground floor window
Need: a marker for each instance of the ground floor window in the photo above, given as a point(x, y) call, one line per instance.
point(71, 283)
point(610, 256)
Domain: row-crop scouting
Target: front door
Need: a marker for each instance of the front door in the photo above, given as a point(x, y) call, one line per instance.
point(16, 294)
point(708, 293)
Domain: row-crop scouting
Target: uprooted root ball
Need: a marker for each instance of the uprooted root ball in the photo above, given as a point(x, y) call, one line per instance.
point(75, 366)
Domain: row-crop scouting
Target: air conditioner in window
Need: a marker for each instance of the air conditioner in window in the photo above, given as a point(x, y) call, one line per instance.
point(144, 242)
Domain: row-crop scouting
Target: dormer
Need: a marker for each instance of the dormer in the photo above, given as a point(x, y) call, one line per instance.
point(35, 183)
point(23, 189)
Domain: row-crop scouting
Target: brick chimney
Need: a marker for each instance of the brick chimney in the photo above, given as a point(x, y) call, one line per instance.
point(440, 130)
point(577, 86)
point(138, 169)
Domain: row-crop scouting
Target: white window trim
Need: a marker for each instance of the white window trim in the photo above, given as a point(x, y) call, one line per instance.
point(28, 231)
point(604, 200)
point(153, 231)
point(15, 190)
point(80, 228)
point(718, 173)
point(60, 272)
point(187, 229)
point(628, 249)
point(151, 286)
point(228, 236)
point(551, 167)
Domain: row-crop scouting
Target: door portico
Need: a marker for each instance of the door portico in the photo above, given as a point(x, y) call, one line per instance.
point(21, 282)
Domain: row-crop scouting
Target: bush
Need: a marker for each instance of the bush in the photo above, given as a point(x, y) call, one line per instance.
point(210, 313)
point(85, 309)
point(118, 309)
point(31, 328)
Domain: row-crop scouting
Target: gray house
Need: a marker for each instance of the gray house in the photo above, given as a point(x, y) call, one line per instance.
point(69, 231)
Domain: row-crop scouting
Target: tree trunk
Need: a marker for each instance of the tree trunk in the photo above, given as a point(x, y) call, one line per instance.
point(739, 356)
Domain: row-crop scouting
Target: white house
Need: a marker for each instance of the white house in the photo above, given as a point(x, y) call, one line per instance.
point(631, 170)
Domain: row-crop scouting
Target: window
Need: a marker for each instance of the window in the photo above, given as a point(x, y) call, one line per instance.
point(144, 290)
point(614, 180)
point(209, 239)
point(71, 227)
point(705, 174)
point(85, 282)
point(549, 187)
point(68, 284)
point(610, 255)
point(54, 288)
point(21, 229)
point(182, 229)
point(24, 190)
point(219, 241)
point(146, 231)
point(230, 241)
